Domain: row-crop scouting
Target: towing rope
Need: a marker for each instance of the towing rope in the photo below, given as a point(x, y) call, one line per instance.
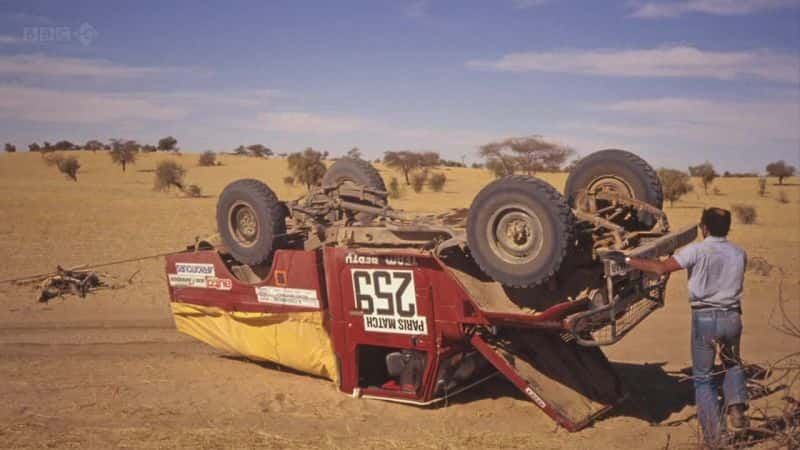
point(91, 266)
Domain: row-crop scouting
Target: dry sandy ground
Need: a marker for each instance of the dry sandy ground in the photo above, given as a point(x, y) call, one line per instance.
point(109, 371)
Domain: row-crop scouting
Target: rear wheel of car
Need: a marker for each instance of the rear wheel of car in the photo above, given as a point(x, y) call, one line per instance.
point(249, 218)
point(619, 172)
point(518, 230)
point(358, 172)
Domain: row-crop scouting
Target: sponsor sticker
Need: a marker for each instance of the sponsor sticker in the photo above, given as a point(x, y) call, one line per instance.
point(178, 280)
point(221, 284)
point(306, 298)
point(378, 260)
point(195, 276)
point(353, 258)
point(536, 399)
point(206, 270)
point(388, 300)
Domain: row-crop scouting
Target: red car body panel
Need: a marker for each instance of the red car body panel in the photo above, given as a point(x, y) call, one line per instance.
point(446, 311)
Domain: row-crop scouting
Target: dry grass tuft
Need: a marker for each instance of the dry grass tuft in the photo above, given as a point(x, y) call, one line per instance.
point(207, 158)
point(418, 180)
point(394, 188)
point(437, 182)
point(746, 214)
point(762, 186)
point(69, 166)
point(193, 191)
point(168, 174)
point(759, 266)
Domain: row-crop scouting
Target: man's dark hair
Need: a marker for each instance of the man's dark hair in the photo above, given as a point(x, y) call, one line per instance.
point(717, 220)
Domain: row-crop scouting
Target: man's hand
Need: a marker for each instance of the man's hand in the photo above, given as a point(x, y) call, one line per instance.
point(614, 255)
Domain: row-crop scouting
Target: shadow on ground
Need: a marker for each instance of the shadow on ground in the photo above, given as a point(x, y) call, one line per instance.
point(654, 393)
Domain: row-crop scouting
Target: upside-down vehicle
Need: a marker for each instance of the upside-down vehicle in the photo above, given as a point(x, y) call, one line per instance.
point(415, 309)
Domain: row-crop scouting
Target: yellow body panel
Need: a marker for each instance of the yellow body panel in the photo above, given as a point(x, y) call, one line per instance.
point(296, 340)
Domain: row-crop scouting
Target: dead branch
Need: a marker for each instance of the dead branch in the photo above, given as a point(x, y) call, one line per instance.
point(68, 281)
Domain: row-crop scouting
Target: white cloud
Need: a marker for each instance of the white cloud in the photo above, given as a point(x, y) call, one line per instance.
point(523, 4)
point(657, 10)
point(704, 121)
point(680, 61)
point(416, 9)
point(25, 18)
point(397, 137)
point(8, 39)
point(53, 106)
point(43, 105)
point(303, 122)
point(438, 137)
point(37, 64)
point(192, 99)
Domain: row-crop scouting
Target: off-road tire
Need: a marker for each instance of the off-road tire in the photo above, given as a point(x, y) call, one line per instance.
point(265, 211)
point(360, 172)
point(521, 196)
point(636, 172)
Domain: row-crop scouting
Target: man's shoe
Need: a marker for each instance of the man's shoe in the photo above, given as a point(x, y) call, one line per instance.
point(737, 418)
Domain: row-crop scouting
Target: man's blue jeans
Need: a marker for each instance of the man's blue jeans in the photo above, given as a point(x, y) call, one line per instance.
point(712, 327)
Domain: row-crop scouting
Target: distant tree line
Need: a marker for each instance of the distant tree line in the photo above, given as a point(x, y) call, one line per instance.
point(166, 144)
point(676, 183)
point(527, 155)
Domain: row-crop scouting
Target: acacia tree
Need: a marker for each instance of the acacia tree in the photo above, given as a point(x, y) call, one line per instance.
point(168, 144)
point(34, 147)
point(705, 172)
point(675, 184)
point(405, 161)
point(10, 148)
point(93, 145)
point(429, 159)
point(498, 162)
point(123, 152)
point(527, 154)
point(64, 145)
point(307, 167)
point(568, 168)
point(260, 151)
point(780, 169)
point(354, 153)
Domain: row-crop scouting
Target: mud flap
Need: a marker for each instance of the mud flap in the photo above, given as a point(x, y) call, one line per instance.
point(570, 383)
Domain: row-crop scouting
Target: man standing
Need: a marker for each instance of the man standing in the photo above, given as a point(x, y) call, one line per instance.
point(716, 276)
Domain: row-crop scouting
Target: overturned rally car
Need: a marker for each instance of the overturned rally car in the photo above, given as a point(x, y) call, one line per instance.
point(415, 309)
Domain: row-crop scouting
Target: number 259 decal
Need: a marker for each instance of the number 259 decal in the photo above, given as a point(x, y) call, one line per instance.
point(388, 300)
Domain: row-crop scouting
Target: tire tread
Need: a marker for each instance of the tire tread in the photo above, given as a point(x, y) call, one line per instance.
point(651, 177)
point(266, 198)
point(565, 218)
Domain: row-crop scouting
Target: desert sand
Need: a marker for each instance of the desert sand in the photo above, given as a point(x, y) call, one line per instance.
point(110, 371)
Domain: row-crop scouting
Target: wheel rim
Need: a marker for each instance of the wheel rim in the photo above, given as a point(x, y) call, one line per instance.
point(243, 224)
point(611, 184)
point(515, 234)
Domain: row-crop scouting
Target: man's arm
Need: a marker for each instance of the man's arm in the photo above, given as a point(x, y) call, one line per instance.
point(668, 265)
point(653, 265)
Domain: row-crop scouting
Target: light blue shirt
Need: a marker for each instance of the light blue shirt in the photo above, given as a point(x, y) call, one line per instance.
point(716, 272)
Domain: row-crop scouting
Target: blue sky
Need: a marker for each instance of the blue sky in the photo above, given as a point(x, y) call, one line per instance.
point(677, 81)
